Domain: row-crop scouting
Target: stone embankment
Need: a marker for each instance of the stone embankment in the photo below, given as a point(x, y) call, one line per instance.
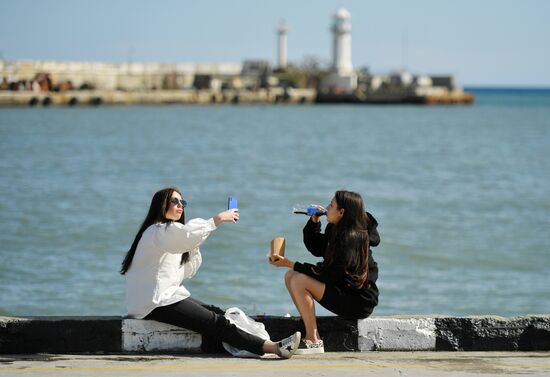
point(98, 335)
point(156, 97)
point(205, 96)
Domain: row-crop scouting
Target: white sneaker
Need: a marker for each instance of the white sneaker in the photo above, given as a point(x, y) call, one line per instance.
point(307, 347)
point(287, 346)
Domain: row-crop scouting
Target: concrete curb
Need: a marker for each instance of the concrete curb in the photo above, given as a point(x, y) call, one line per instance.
point(26, 335)
point(60, 335)
point(152, 336)
point(397, 334)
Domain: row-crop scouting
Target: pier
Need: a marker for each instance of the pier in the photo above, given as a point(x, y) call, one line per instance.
point(156, 97)
point(213, 97)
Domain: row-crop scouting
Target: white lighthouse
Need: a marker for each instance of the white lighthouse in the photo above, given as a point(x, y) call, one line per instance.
point(281, 32)
point(342, 79)
point(341, 30)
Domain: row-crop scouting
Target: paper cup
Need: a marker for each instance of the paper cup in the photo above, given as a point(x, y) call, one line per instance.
point(277, 248)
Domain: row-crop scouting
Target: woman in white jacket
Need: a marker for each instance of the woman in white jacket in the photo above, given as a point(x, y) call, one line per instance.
point(165, 252)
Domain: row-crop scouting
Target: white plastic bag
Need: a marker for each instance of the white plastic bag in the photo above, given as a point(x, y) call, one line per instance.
point(237, 317)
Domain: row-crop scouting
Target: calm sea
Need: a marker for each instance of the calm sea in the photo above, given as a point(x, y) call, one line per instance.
point(461, 193)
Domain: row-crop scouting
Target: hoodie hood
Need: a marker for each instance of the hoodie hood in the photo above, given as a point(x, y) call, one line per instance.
point(374, 237)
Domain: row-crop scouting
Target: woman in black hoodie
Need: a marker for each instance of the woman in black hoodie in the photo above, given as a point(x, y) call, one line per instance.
point(345, 281)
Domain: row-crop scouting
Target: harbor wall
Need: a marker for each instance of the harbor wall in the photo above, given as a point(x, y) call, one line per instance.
point(99, 335)
point(204, 97)
point(155, 97)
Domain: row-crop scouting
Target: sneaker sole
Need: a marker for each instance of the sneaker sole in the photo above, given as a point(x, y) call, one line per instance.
point(309, 351)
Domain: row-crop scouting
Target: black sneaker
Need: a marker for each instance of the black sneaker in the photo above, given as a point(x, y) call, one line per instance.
point(307, 347)
point(287, 346)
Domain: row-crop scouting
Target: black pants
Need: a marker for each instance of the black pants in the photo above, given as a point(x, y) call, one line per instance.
point(207, 320)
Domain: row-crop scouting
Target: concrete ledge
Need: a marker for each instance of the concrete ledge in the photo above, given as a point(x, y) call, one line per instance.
point(152, 336)
point(60, 335)
point(339, 335)
point(397, 334)
point(530, 333)
point(119, 335)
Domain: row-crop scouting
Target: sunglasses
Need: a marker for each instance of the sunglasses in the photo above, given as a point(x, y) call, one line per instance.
point(176, 201)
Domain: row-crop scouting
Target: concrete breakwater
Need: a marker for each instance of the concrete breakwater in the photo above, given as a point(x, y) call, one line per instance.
point(98, 335)
point(156, 97)
point(207, 96)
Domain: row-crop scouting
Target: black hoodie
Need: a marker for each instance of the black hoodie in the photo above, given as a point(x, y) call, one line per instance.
point(316, 242)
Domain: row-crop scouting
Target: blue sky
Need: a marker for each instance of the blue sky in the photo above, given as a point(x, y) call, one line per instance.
point(480, 42)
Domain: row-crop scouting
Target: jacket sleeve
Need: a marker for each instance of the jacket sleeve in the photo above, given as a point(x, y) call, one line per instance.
point(335, 274)
point(315, 241)
point(179, 238)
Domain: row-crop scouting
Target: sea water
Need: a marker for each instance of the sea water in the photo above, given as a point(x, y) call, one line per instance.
point(461, 194)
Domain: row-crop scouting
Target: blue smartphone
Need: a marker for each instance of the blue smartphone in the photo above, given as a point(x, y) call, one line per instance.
point(232, 203)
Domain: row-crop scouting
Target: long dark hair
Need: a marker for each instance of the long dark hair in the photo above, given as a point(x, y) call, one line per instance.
point(348, 240)
point(157, 214)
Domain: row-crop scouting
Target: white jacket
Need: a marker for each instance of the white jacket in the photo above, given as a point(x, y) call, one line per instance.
point(155, 275)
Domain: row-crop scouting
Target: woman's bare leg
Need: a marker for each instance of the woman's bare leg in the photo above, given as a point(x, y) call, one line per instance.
point(304, 291)
point(290, 274)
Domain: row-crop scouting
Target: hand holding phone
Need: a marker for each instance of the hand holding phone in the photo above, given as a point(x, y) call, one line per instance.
point(232, 203)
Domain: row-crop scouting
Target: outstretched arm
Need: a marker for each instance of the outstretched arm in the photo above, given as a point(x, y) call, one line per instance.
point(178, 238)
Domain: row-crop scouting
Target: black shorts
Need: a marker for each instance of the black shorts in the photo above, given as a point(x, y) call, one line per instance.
point(344, 303)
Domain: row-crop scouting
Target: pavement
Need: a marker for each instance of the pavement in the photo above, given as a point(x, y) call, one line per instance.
point(342, 364)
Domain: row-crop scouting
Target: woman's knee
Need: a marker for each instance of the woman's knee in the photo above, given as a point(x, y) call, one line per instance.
point(289, 276)
point(297, 281)
point(307, 283)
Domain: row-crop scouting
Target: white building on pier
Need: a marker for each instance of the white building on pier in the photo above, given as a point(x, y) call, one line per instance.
point(342, 79)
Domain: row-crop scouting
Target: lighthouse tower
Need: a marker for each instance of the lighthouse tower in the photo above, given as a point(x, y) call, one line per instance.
point(281, 32)
point(341, 30)
point(342, 79)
